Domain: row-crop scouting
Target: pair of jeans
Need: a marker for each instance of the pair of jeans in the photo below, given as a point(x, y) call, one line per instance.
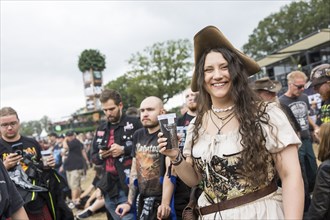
point(308, 162)
point(308, 165)
point(112, 203)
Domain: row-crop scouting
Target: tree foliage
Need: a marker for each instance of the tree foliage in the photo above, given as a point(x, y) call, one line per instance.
point(31, 127)
point(293, 22)
point(45, 122)
point(121, 84)
point(91, 59)
point(160, 70)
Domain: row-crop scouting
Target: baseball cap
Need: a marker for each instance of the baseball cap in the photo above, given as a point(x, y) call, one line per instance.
point(53, 134)
point(69, 133)
point(319, 75)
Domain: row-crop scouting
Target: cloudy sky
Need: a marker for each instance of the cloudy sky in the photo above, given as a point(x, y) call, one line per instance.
point(42, 40)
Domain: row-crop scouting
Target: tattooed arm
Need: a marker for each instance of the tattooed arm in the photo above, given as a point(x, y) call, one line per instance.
point(124, 208)
point(132, 188)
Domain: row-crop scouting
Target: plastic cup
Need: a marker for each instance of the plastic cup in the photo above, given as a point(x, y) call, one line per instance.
point(45, 154)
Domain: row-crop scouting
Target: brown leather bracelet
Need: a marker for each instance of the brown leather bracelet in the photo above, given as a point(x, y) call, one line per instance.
point(177, 160)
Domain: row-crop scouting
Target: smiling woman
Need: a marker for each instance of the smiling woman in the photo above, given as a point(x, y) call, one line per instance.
point(237, 143)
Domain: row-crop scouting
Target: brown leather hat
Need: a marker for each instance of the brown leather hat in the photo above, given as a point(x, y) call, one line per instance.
point(267, 84)
point(319, 75)
point(211, 37)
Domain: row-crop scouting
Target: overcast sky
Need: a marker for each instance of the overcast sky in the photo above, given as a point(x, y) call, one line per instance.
point(42, 40)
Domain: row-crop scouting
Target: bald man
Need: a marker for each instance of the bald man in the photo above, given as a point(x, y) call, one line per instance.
point(146, 164)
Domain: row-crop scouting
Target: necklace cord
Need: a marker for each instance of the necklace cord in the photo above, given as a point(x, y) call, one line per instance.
point(224, 117)
point(219, 129)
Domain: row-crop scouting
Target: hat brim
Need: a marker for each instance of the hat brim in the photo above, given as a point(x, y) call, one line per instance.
point(211, 37)
point(276, 89)
point(317, 81)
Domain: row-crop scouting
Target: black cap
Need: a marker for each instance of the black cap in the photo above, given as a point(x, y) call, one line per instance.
point(69, 133)
point(52, 134)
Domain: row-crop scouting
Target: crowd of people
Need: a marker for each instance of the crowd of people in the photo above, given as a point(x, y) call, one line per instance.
point(243, 152)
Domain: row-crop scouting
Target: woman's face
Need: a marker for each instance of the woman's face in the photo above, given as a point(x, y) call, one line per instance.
point(217, 80)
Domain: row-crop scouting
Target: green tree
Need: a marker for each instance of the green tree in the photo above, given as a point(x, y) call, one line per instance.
point(121, 84)
point(293, 22)
point(161, 70)
point(45, 123)
point(91, 59)
point(30, 128)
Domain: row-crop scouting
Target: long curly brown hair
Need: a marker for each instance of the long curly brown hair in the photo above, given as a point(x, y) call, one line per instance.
point(250, 112)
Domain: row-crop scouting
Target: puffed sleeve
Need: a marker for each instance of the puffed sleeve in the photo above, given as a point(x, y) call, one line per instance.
point(189, 137)
point(278, 132)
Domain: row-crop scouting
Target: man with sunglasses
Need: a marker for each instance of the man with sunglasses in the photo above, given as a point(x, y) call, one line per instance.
point(320, 81)
point(298, 102)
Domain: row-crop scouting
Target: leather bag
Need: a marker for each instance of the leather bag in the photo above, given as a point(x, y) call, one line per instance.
point(190, 211)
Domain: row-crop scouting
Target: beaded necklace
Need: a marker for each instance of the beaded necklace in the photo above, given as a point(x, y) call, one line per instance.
point(218, 110)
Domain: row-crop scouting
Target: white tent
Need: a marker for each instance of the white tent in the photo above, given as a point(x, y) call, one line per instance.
point(43, 133)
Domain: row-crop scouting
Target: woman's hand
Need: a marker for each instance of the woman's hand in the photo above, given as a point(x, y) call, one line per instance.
point(162, 143)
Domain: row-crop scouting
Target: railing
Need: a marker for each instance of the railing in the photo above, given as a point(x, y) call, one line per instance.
point(78, 127)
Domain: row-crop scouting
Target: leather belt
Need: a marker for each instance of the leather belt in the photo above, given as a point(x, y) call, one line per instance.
point(232, 203)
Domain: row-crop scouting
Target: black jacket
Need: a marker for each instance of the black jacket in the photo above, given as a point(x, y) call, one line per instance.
point(320, 206)
point(48, 178)
point(123, 133)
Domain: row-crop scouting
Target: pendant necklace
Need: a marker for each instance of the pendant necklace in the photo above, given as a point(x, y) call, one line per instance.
point(223, 118)
point(231, 116)
point(218, 110)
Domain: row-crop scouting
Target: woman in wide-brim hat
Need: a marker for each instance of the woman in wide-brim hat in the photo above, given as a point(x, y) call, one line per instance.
point(238, 144)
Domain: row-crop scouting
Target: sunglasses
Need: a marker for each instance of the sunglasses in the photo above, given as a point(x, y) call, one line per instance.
point(299, 86)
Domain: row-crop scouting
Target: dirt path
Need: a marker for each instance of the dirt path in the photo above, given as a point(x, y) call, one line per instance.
point(88, 180)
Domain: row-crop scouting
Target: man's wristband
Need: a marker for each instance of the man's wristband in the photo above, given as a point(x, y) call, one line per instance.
point(128, 203)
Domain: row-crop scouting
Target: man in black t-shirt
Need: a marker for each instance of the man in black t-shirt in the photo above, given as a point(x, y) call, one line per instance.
point(74, 165)
point(320, 81)
point(23, 154)
point(191, 103)
point(298, 102)
point(147, 164)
